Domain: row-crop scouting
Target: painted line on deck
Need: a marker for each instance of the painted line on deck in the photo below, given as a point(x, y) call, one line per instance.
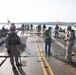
point(50, 70)
point(46, 62)
point(60, 44)
point(42, 65)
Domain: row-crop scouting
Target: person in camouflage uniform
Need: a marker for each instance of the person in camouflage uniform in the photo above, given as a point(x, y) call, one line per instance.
point(12, 45)
point(70, 42)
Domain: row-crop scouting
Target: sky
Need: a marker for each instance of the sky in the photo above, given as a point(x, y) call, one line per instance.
point(38, 10)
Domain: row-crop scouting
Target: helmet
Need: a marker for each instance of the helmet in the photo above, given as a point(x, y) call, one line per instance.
point(49, 28)
point(12, 27)
point(12, 24)
point(69, 28)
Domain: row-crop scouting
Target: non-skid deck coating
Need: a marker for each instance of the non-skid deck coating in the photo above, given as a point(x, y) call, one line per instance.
point(36, 64)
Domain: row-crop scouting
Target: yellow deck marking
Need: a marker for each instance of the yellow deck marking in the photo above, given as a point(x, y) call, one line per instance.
point(50, 70)
point(42, 65)
point(40, 50)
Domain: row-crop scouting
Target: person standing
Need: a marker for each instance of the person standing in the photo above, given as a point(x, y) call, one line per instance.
point(12, 45)
point(31, 27)
point(47, 36)
point(22, 28)
point(70, 36)
point(44, 27)
point(56, 30)
point(38, 29)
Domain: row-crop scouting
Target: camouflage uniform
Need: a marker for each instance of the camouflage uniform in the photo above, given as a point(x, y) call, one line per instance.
point(70, 43)
point(12, 42)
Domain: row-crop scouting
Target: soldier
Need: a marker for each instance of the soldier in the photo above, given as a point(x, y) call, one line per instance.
point(70, 42)
point(12, 42)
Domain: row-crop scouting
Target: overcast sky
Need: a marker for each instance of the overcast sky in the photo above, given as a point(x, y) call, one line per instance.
point(38, 10)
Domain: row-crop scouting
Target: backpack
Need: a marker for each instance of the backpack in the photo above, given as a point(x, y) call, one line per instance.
point(13, 39)
point(73, 33)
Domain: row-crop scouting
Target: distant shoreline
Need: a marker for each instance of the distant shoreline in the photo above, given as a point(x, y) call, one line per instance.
point(46, 23)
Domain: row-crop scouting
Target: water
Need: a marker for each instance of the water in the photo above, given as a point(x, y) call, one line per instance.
point(53, 26)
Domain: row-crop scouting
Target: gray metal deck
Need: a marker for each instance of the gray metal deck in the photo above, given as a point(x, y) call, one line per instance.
point(35, 63)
